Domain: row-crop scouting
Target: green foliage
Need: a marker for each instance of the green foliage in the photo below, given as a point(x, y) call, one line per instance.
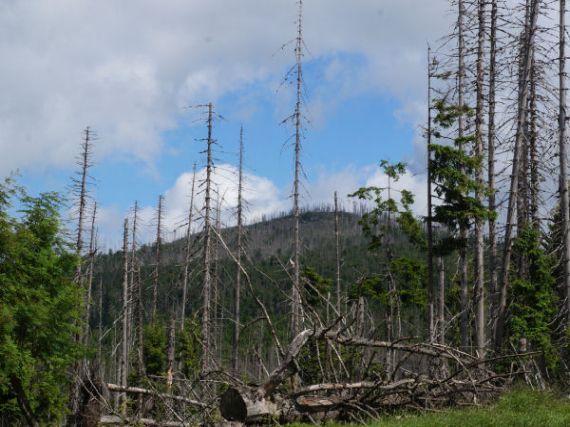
point(533, 296)
point(373, 223)
point(453, 172)
point(412, 276)
point(188, 348)
point(39, 307)
point(316, 287)
point(155, 348)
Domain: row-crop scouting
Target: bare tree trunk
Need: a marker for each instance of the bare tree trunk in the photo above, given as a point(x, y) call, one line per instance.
point(441, 301)
point(92, 254)
point(296, 306)
point(137, 298)
point(188, 252)
point(80, 190)
point(431, 287)
point(479, 256)
point(491, 163)
point(523, 101)
point(237, 302)
point(158, 243)
point(534, 187)
point(124, 361)
point(84, 164)
point(461, 130)
point(337, 255)
point(522, 208)
point(563, 149)
point(170, 354)
point(100, 337)
point(218, 324)
point(207, 281)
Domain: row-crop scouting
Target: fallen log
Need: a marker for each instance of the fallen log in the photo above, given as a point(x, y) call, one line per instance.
point(138, 390)
point(116, 420)
point(247, 406)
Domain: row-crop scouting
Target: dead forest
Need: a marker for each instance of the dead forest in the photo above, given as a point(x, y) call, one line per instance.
point(350, 312)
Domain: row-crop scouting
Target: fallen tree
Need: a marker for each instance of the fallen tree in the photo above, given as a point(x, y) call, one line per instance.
point(462, 379)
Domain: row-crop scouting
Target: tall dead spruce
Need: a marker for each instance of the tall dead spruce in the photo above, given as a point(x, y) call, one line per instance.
point(158, 245)
point(296, 306)
point(188, 251)
point(237, 302)
point(527, 44)
point(207, 247)
point(80, 192)
point(563, 152)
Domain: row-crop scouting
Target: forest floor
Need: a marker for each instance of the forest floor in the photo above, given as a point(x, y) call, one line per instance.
point(516, 408)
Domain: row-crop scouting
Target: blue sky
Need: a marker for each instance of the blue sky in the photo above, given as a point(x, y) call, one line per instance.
point(131, 71)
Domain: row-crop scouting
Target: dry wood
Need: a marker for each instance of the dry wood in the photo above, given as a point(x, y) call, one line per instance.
point(115, 388)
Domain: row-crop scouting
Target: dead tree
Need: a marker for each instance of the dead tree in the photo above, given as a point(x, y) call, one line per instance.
point(237, 297)
point(429, 217)
point(491, 143)
point(479, 226)
point(158, 245)
point(441, 301)
point(563, 153)
point(89, 285)
point(206, 260)
point(526, 48)
point(218, 310)
point(124, 361)
point(137, 297)
point(464, 316)
point(296, 306)
point(188, 252)
point(80, 191)
point(170, 354)
point(337, 255)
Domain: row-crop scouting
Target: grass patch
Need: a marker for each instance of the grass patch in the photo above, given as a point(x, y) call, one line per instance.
point(516, 408)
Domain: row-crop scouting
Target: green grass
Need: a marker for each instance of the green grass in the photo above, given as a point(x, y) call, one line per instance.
point(516, 408)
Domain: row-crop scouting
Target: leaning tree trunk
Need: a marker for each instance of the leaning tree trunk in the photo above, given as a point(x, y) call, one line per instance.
point(528, 43)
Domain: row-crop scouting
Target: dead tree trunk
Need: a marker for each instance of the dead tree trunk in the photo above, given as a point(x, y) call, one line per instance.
point(188, 253)
point(206, 264)
point(237, 302)
point(80, 191)
point(137, 298)
point(337, 255)
point(528, 42)
point(429, 218)
point(158, 244)
point(480, 319)
point(441, 301)
point(461, 131)
point(170, 353)
point(296, 306)
point(125, 324)
point(92, 254)
point(492, 136)
point(563, 153)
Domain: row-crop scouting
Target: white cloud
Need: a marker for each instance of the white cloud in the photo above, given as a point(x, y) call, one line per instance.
point(128, 68)
point(263, 197)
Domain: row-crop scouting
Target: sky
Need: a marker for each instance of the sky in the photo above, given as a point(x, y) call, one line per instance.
point(136, 71)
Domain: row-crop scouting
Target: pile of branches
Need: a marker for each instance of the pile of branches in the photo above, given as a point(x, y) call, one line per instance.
point(427, 376)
